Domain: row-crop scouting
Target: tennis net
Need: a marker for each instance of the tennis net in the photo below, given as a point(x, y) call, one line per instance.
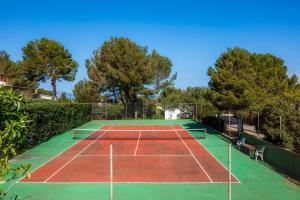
point(171, 134)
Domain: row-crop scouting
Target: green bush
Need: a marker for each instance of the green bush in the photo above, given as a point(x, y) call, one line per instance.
point(13, 130)
point(287, 108)
point(51, 118)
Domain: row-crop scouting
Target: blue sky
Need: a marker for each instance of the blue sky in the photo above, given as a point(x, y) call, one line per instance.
point(192, 34)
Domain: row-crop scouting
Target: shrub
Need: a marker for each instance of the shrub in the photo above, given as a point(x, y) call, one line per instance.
point(51, 118)
point(286, 107)
point(12, 133)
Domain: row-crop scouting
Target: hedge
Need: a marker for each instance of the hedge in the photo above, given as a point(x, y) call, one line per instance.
point(50, 118)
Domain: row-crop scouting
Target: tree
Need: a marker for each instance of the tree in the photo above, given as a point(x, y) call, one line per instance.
point(162, 67)
point(46, 59)
point(64, 98)
point(171, 96)
point(86, 92)
point(125, 72)
point(280, 119)
point(242, 81)
point(15, 71)
point(6, 64)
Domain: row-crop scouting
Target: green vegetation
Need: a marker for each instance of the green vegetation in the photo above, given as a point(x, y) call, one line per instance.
point(172, 97)
point(13, 132)
point(64, 98)
point(46, 59)
point(50, 118)
point(6, 64)
point(242, 81)
point(86, 92)
point(280, 119)
point(45, 92)
point(125, 72)
point(247, 83)
point(161, 67)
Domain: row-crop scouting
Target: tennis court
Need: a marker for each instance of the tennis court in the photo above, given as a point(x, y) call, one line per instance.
point(148, 153)
point(150, 160)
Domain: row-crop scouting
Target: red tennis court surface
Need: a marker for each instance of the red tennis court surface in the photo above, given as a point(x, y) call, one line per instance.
point(136, 158)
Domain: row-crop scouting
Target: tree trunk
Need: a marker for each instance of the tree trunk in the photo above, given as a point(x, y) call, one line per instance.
point(53, 83)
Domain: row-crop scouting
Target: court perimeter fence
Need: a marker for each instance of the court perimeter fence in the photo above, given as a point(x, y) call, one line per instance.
point(282, 159)
point(139, 110)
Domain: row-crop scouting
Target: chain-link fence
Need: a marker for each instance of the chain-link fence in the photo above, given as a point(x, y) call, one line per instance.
point(139, 110)
point(265, 134)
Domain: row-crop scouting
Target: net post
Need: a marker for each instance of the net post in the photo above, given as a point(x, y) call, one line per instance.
point(229, 171)
point(111, 170)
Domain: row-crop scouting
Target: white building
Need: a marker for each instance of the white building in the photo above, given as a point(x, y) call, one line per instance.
point(172, 113)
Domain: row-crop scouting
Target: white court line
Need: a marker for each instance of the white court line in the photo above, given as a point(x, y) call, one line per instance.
point(213, 156)
point(59, 153)
point(76, 155)
point(146, 182)
point(194, 156)
point(130, 155)
point(137, 144)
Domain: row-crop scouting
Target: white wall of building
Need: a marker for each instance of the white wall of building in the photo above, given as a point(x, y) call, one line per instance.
point(172, 113)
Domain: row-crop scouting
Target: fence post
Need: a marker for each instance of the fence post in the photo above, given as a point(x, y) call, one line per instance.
point(257, 124)
point(106, 111)
point(111, 170)
point(229, 133)
point(125, 110)
point(135, 111)
point(196, 111)
point(201, 115)
point(143, 110)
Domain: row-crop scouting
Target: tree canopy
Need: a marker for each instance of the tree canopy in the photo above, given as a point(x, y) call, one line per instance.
point(243, 81)
point(280, 119)
point(45, 59)
point(162, 67)
point(249, 83)
point(6, 64)
point(86, 92)
point(125, 72)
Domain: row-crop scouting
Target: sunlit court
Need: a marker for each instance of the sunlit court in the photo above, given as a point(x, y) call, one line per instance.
point(145, 154)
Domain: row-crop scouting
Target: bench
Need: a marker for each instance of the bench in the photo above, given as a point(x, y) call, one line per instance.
point(250, 148)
